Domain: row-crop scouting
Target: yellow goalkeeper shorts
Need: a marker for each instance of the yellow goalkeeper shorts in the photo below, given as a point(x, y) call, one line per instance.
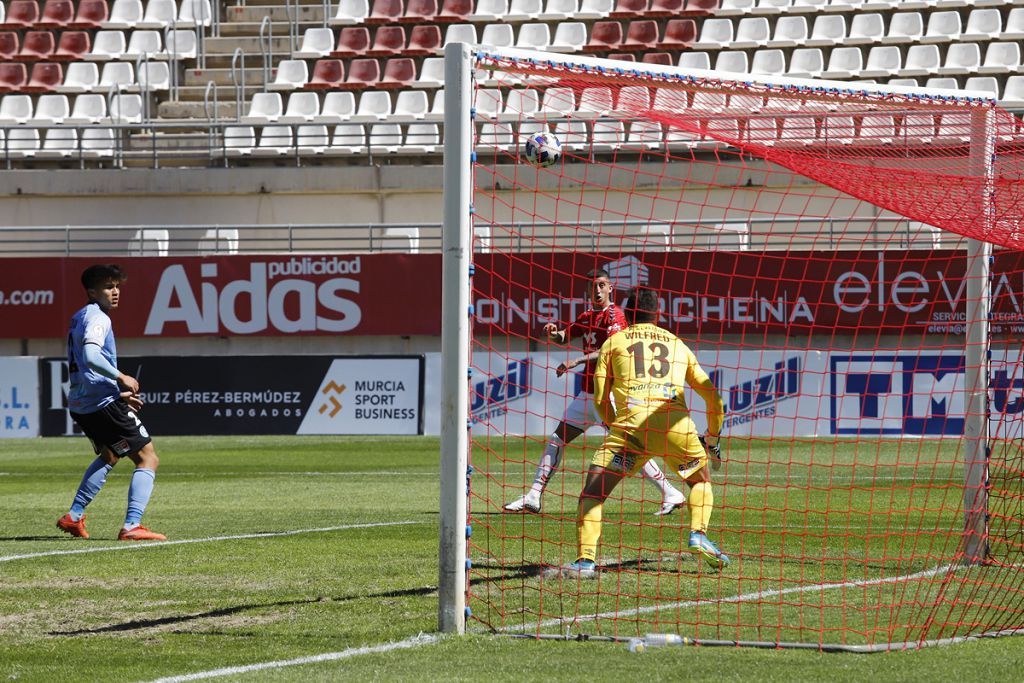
point(665, 431)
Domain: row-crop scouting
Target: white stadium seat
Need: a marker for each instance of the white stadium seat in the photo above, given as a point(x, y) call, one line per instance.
point(904, 27)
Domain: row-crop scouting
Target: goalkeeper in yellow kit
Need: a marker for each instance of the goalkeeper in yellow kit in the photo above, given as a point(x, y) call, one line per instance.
point(638, 390)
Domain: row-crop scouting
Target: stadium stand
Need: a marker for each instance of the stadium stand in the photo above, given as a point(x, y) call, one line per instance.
point(178, 58)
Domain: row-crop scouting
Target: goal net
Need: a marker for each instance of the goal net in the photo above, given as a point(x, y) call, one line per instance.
point(845, 260)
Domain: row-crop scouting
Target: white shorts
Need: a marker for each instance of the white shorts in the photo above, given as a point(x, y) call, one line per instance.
point(582, 412)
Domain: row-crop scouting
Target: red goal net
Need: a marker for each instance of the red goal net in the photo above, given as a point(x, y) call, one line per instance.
point(847, 266)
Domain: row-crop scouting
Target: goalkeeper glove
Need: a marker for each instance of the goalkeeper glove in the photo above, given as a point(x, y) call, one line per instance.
point(714, 452)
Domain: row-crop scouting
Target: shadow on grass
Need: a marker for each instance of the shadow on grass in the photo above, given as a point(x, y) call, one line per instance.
point(140, 624)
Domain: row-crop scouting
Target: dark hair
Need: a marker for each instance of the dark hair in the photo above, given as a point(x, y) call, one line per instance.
point(642, 306)
point(598, 272)
point(96, 275)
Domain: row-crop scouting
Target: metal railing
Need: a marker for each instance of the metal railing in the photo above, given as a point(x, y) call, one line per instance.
point(238, 79)
point(267, 49)
point(893, 233)
point(291, 9)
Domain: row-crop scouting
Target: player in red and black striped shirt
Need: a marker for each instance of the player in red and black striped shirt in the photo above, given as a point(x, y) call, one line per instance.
point(602, 319)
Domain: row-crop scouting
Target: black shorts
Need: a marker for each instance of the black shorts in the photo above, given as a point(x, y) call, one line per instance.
point(114, 427)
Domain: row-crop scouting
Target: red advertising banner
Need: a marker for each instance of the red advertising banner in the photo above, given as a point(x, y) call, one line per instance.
point(808, 292)
point(802, 293)
point(377, 294)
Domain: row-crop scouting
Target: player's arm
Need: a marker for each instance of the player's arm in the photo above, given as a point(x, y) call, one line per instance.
point(705, 388)
point(96, 361)
point(573, 362)
point(603, 384)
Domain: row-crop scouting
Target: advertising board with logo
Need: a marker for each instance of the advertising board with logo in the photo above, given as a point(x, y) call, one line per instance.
point(19, 397)
point(773, 393)
point(795, 293)
point(234, 295)
point(918, 393)
point(260, 394)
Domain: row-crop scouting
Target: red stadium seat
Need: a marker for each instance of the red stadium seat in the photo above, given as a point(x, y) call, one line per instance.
point(398, 73)
point(419, 12)
point(454, 11)
point(663, 58)
point(73, 46)
point(696, 7)
point(604, 36)
point(641, 35)
point(424, 40)
point(679, 34)
point(627, 9)
point(385, 12)
point(22, 14)
point(46, 76)
point(389, 40)
point(56, 14)
point(91, 14)
point(665, 8)
point(10, 44)
point(622, 56)
point(13, 76)
point(362, 73)
point(327, 75)
point(38, 46)
point(353, 41)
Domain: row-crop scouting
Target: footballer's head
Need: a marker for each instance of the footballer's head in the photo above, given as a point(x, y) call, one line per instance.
point(102, 283)
point(600, 287)
point(642, 306)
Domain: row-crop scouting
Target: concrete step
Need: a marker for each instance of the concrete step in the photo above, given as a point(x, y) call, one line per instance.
point(196, 93)
point(277, 13)
point(176, 109)
point(272, 3)
point(222, 77)
point(226, 45)
point(252, 28)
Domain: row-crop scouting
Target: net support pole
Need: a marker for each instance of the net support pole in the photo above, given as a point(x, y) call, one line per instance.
point(456, 246)
point(976, 352)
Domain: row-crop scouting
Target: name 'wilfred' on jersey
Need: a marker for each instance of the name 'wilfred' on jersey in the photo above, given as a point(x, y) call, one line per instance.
point(758, 397)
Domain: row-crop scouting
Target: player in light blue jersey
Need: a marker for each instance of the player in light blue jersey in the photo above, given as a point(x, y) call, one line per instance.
point(104, 402)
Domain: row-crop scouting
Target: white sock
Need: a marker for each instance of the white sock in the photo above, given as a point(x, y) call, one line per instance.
point(654, 474)
point(548, 464)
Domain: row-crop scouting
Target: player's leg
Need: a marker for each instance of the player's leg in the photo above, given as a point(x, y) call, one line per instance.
point(610, 465)
point(691, 462)
point(572, 425)
point(671, 497)
point(92, 481)
point(139, 492)
point(600, 483)
point(96, 428)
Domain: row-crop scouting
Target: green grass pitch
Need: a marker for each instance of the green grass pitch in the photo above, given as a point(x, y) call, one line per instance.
point(289, 548)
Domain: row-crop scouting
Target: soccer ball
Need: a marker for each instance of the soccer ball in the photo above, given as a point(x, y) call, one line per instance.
point(542, 149)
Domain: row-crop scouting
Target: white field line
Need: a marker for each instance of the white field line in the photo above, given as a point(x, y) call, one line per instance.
point(752, 482)
point(211, 539)
point(210, 475)
point(415, 641)
point(759, 595)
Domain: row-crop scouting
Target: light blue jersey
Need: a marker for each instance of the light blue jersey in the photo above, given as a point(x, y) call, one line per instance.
point(90, 391)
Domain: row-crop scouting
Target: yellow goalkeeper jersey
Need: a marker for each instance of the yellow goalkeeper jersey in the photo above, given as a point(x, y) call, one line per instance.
point(641, 367)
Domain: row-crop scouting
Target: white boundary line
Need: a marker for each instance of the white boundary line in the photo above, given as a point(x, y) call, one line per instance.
point(415, 641)
point(736, 598)
point(210, 539)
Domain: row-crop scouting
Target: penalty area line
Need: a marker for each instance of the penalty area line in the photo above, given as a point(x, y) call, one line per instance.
point(210, 539)
point(415, 641)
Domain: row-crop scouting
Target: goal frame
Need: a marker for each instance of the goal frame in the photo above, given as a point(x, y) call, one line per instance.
point(457, 312)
